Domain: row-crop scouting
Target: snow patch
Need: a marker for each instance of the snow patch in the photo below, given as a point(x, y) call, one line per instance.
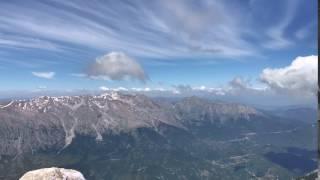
point(7, 105)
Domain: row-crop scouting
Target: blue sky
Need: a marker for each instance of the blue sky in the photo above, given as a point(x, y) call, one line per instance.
point(51, 44)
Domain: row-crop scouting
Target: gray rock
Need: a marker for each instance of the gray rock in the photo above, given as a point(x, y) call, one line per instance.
point(53, 173)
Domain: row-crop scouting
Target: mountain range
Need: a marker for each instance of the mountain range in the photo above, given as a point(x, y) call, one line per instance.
point(123, 136)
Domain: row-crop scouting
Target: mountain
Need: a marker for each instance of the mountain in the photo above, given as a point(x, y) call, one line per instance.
point(121, 136)
point(54, 121)
point(304, 114)
point(314, 175)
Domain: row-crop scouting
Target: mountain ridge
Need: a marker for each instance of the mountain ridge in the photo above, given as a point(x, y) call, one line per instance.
point(54, 121)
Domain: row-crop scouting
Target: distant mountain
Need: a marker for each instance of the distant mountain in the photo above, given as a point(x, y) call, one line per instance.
point(121, 136)
point(304, 114)
point(310, 176)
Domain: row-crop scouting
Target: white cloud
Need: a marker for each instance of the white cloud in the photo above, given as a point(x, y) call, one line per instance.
point(120, 89)
point(27, 42)
point(46, 75)
point(147, 89)
point(239, 83)
point(305, 31)
point(277, 33)
point(79, 75)
point(116, 66)
point(42, 87)
point(144, 33)
point(153, 28)
point(201, 88)
point(299, 77)
point(182, 88)
point(104, 88)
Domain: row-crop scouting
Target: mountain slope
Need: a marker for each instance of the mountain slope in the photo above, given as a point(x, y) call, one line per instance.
point(119, 136)
point(54, 121)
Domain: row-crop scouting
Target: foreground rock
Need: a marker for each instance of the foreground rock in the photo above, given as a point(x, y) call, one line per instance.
point(53, 174)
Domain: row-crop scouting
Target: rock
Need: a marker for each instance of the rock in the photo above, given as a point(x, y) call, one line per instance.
point(53, 173)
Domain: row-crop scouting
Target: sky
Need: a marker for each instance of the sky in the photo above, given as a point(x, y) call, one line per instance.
point(264, 50)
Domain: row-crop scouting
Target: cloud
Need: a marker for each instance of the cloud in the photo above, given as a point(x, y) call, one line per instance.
point(277, 34)
point(46, 75)
point(116, 66)
point(79, 75)
point(150, 28)
point(120, 89)
point(42, 87)
point(182, 88)
point(187, 90)
point(146, 89)
point(239, 83)
point(27, 43)
point(299, 78)
point(104, 88)
point(305, 31)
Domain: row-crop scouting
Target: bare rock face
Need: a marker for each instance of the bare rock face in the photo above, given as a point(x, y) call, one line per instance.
point(53, 174)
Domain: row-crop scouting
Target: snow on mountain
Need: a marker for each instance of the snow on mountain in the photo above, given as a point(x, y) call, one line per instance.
point(39, 123)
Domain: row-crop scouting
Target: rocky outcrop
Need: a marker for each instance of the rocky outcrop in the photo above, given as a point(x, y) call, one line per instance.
point(53, 174)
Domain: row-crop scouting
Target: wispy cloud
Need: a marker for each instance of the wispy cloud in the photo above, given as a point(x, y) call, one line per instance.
point(276, 33)
point(79, 75)
point(27, 42)
point(145, 28)
point(304, 31)
point(45, 75)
